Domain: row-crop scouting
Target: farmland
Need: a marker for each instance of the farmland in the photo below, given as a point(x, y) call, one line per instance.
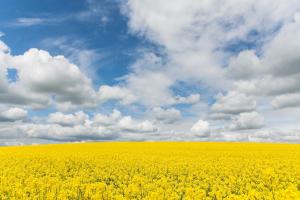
point(148, 170)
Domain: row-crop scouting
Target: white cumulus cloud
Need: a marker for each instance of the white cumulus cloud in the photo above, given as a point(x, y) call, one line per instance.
point(233, 103)
point(13, 114)
point(250, 120)
point(201, 128)
point(78, 118)
point(168, 116)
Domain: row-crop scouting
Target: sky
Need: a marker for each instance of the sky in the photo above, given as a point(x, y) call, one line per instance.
point(149, 70)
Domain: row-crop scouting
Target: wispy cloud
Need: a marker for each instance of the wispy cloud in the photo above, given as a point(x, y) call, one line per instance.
point(76, 51)
point(94, 11)
point(43, 19)
point(29, 21)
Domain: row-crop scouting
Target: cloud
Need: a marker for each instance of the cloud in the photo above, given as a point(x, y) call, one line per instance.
point(11, 130)
point(282, 56)
point(166, 116)
point(245, 66)
point(92, 12)
point(280, 60)
point(107, 120)
point(13, 114)
point(194, 50)
point(76, 51)
point(151, 87)
point(76, 126)
point(157, 20)
point(278, 85)
point(42, 79)
point(54, 75)
point(233, 103)
point(56, 132)
point(78, 118)
point(96, 10)
point(3, 47)
point(250, 120)
point(276, 135)
point(41, 20)
point(201, 128)
point(191, 99)
point(286, 100)
point(127, 124)
point(219, 116)
point(116, 122)
point(190, 43)
point(29, 21)
point(106, 93)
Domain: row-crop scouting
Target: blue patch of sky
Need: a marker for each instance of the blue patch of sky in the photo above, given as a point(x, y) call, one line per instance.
point(21, 38)
point(251, 42)
point(254, 40)
point(184, 89)
point(40, 112)
point(12, 75)
point(74, 20)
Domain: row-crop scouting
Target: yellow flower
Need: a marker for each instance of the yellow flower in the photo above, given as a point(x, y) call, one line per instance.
point(150, 171)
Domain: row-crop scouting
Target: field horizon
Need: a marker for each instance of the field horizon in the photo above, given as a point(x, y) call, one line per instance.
point(159, 141)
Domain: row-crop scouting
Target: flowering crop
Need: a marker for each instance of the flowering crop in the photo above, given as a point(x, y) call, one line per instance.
point(163, 170)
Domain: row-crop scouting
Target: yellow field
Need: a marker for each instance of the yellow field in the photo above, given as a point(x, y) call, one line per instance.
point(151, 171)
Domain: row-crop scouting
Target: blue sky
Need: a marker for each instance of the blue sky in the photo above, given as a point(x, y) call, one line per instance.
point(149, 70)
point(104, 31)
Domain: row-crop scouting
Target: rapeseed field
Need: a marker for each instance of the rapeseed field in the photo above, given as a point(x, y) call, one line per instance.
point(151, 170)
